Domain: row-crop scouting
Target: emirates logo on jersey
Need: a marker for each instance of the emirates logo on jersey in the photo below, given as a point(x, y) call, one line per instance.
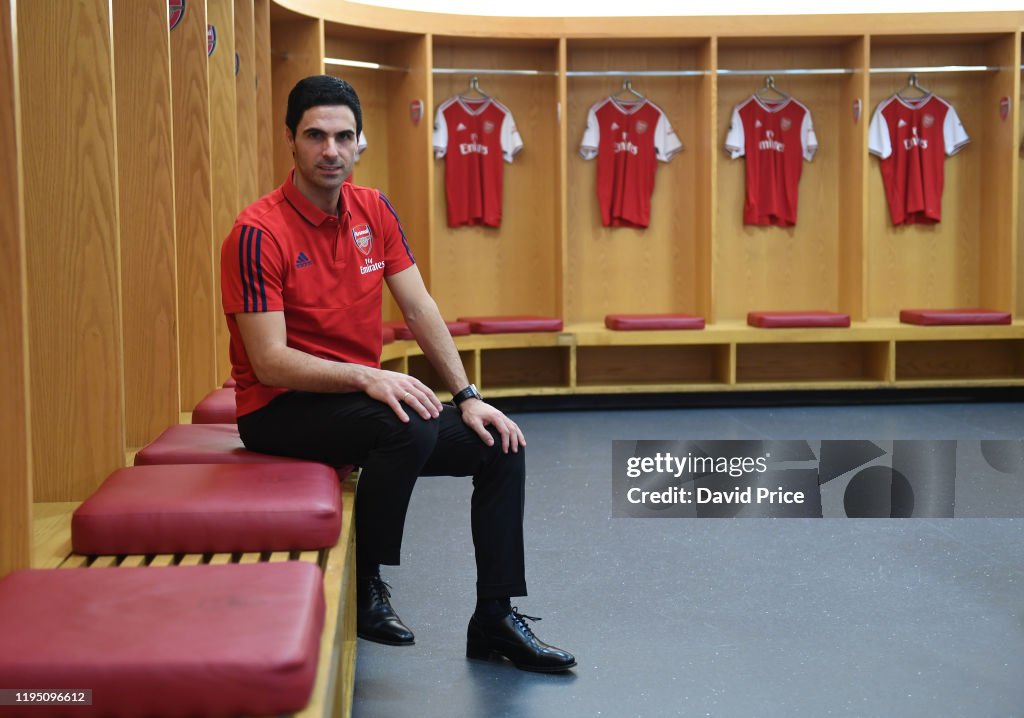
point(770, 144)
point(473, 147)
point(625, 146)
point(641, 127)
point(488, 127)
point(785, 123)
point(914, 141)
point(363, 238)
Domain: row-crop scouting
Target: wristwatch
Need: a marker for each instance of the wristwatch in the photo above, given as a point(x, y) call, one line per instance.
point(470, 392)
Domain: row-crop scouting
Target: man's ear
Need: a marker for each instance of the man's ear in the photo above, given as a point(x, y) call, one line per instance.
point(290, 139)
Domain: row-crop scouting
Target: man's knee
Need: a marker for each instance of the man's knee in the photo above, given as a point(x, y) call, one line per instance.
point(515, 459)
point(418, 435)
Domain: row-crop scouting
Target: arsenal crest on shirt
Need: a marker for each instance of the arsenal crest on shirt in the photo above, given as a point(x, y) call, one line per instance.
point(363, 238)
point(211, 39)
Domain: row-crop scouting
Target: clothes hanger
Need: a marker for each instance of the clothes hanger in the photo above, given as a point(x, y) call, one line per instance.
point(631, 93)
point(912, 85)
point(474, 87)
point(769, 87)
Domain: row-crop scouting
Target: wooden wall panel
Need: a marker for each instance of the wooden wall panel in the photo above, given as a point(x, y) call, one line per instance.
point(71, 210)
point(265, 110)
point(704, 136)
point(999, 213)
point(16, 478)
point(1020, 188)
point(145, 161)
point(625, 269)
point(513, 267)
point(408, 148)
point(224, 154)
point(853, 159)
point(246, 108)
point(296, 52)
point(198, 303)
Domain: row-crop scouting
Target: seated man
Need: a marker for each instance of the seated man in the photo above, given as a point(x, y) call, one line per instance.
point(302, 274)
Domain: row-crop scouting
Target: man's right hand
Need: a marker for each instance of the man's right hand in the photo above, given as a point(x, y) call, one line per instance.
point(401, 391)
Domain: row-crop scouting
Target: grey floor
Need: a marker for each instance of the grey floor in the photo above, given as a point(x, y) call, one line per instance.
point(716, 617)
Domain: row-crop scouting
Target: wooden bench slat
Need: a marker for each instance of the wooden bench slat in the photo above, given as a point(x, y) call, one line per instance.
point(75, 560)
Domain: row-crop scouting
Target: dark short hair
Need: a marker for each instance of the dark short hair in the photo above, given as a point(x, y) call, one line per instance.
point(318, 90)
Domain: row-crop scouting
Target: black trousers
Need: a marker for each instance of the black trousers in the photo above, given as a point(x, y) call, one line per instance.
point(340, 429)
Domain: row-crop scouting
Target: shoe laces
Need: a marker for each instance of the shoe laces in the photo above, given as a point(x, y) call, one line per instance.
point(518, 618)
point(378, 588)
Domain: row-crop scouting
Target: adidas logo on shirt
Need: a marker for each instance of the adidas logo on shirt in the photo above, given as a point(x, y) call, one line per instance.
point(302, 261)
point(460, 127)
point(901, 123)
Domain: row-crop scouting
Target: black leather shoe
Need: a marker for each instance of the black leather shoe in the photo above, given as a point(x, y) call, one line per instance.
point(375, 619)
point(514, 640)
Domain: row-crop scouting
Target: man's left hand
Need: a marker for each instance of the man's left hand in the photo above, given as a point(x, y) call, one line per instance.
point(478, 415)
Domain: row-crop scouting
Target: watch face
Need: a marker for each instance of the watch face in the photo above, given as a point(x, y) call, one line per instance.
point(470, 392)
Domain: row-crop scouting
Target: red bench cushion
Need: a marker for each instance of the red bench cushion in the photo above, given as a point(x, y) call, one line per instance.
point(953, 316)
point(201, 444)
point(774, 320)
point(456, 329)
point(512, 324)
point(210, 508)
point(388, 335)
point(217, 407)
point(633, 322)
point(184, 641)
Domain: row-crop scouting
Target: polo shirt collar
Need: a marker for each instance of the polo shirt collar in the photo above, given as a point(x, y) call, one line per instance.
point(309, 211)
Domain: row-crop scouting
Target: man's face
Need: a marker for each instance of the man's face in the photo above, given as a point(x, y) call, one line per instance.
point(324, 146)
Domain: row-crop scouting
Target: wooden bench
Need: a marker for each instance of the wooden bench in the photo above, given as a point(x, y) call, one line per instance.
point(333, 690)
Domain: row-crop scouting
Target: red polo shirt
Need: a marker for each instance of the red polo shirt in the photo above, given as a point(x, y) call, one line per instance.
point(325, 273)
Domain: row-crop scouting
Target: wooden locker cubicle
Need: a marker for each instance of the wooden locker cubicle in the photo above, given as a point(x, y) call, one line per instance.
point(145, 163)
point(198, 305)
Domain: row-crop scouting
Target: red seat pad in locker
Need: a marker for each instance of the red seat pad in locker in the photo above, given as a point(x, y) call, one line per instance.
point(937, 317)
point(201, 444)
point(210, 508)
point(512, 324)
point(238, 639)
point(217, 407)
point(636, 322)
point(456, 329)
point(387, 335)
point(778, 320)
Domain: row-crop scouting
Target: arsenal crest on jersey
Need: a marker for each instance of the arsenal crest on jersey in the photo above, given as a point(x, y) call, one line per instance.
point(363, 238)
point(1004, 108)
point(175, 11)
point(211, 39)
point(416, 111)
